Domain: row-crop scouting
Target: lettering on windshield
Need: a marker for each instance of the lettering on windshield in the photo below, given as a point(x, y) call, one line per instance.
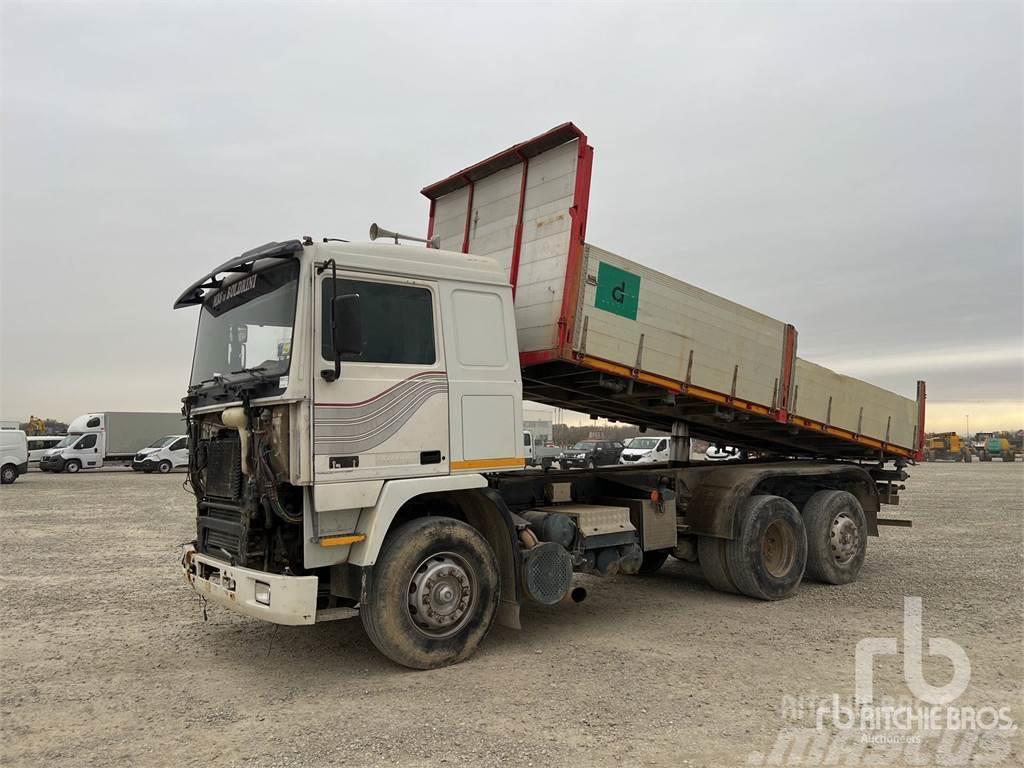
point(235, 289)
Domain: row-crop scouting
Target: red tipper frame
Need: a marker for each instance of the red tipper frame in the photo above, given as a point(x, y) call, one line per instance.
point(921, 397)
point(521, 153)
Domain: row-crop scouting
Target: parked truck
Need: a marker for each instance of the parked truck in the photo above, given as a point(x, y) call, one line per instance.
point(536, 453)
point(947, 446)
point(355, 415)
point(110, 437)
point(998, 446)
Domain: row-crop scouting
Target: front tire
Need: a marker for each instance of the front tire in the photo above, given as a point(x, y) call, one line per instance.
point(837, 537)
point(73, 466)
point(433, 593)
point(8, 474)
point(164, 467)
point(767, 558)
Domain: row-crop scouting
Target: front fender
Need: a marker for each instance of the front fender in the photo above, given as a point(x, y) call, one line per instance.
point(375, 521)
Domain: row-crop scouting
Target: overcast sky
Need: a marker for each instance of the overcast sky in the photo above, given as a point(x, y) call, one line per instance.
point(854, 169)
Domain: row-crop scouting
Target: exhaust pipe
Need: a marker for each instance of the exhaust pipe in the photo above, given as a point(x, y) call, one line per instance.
point(575, 595)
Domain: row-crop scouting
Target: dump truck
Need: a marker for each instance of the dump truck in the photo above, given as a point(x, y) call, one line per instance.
point(355, 414)
point(947, 446)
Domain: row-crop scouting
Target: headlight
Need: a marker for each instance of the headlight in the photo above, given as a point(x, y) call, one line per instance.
point(262, 593)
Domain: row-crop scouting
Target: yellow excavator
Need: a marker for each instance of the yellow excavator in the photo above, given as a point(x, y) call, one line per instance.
point(947, 446)
point(36, 426)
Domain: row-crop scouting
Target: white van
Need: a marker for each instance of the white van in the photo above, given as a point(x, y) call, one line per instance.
point(13, 455)
point(162, 455)
point(645, 450)
point(39, 445)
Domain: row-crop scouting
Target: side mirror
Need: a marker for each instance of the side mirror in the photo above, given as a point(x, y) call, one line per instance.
point(348, 324)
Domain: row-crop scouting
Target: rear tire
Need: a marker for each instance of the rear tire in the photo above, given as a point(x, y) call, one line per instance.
point(652, 562)
point(8, 474)
point(767, 558)
point(837, 537)
point(73, 466)
point(711, 554)
point(428, 563)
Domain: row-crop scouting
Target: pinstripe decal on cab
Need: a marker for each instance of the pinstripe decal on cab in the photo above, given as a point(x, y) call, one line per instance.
point(351, 428)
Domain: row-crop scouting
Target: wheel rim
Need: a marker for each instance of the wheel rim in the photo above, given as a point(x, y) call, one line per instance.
point(72, 468)
point(8, 475)
point(844, 538)
point(778, 547)
point(165, 468)
point(442, 595)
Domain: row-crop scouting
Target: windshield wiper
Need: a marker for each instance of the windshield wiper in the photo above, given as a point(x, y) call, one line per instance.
point(254, 369)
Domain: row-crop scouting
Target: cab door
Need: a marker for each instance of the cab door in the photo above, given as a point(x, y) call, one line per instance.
point(386, 415)
point(87, 450)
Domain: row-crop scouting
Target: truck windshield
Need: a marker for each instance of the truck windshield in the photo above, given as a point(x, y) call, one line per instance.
point(161, 442)
point(585, 445)
point(245, 328)
point(68, 440)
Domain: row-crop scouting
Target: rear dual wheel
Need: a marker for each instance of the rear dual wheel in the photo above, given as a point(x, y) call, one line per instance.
point(766, 559)
point(837, 536)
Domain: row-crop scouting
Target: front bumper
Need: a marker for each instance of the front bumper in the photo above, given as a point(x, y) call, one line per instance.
point(292, 598)
point(55, 463)
point(146, 465)
point(572, 463)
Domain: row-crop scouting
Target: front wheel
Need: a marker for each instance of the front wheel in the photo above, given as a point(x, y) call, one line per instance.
point(8, 474)
point(72, 466)
point(837, 536)
point(164, 467)
point(433, 594)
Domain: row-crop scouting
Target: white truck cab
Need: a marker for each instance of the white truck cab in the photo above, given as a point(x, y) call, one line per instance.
point(162, 455)
point(82, 448)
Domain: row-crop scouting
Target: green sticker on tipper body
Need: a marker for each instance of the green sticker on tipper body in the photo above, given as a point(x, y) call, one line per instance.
point(618, 291)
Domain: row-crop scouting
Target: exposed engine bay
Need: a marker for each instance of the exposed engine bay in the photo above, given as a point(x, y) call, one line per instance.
point(247, 514)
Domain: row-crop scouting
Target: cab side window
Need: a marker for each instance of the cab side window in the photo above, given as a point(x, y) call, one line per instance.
point(93, 422)
point(89, 441)
point(398, 322)
point(179, 444)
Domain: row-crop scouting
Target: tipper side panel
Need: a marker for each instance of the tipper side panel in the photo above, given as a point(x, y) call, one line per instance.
point(603, 335)
point(640, 318)
point(829, 398)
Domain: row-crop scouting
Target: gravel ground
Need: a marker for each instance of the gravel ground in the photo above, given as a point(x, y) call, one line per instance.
point(106, 658)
